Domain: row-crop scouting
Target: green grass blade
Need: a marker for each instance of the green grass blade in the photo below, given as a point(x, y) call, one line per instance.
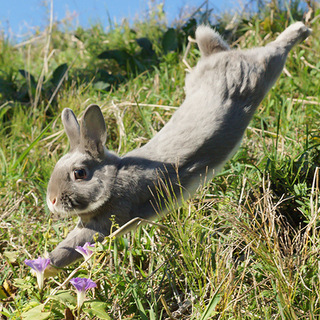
point(211, 306)
point(139, 304)
point(34, 142)
point(143, 119)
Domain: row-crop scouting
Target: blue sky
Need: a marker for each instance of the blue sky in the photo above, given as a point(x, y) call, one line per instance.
point(17, 17)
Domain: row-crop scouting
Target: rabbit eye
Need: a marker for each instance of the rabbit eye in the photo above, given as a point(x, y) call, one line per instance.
point(80, 174)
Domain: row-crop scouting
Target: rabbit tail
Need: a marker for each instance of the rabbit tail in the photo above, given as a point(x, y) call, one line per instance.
point(209, 41)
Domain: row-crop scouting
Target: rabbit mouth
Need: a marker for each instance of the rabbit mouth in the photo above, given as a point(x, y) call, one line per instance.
point(76, 207)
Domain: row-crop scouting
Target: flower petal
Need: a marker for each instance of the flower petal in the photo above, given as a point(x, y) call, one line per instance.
point(79, 284)
point(38, 265)
point(90, 284)
point(85, 250)
point(82, 284)
point(81, 250)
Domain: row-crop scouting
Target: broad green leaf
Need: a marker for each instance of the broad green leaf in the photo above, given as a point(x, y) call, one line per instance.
point(59, 73)
point(101, 85)
point(65, 298)
point(120, 56)
point(11, 256)
point(36, 313)
point(98, 309)
point(23, 284)
point(170, 41)
point(29, 77)
point(145, 43)
point(146, 46)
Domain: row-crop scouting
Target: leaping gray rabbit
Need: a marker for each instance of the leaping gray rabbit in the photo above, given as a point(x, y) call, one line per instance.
point(222, 93)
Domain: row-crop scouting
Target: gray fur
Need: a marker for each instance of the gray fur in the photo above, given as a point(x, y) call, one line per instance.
point(222, 94)
point(209, 41)
point(71, 126)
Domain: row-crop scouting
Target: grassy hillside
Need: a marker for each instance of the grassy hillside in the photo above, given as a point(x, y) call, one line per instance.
point(245, 247)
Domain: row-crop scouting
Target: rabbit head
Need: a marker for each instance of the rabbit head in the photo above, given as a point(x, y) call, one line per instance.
point(81, 180)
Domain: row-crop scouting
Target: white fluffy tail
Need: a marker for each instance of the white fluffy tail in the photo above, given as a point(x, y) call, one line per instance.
point(209, 41)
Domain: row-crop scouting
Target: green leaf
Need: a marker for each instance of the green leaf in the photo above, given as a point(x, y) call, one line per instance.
point(146, 46)
point(11, 256)
point(170, 41)
point(142, 312)
point(23, 284)
point(59, 73)
point(121, 56)
point(101, 85)
point(36, 313)
point(3, 293)
point(6, 312)
point(144, 43)
point(98, 309)
point(3, 109)
point(210, 307)
point(65, 298)
point(28, 76)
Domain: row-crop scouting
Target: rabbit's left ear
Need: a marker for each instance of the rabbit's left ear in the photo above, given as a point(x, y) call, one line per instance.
point(71, 127)
point(93, 131)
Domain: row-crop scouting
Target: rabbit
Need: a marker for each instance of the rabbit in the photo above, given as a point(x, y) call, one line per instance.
point(222, 93)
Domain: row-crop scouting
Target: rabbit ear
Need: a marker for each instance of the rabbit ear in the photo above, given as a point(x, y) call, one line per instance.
point(209, 41)
point(93, 130)
point(71, 127)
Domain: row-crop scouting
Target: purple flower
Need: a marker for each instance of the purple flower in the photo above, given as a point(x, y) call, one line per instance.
point(38, 265)
point(82, 285)
point(85, 251)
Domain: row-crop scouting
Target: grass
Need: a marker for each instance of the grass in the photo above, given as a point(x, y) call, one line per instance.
point(245, 247)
